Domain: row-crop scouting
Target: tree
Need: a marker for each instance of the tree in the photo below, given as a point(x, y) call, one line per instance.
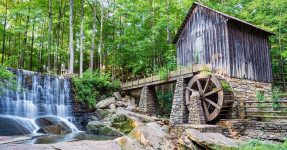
point(82, 39)
point(93, 36)
point(71, 39)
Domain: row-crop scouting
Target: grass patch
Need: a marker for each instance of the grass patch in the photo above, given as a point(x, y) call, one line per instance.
point(263, 145)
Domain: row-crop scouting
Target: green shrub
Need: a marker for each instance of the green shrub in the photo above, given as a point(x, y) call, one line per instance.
point(225, 86)
point(275, 97)
point(163, 73)
point(92, 86)
point(263, 145)
point(164, 100)
point(7, 79)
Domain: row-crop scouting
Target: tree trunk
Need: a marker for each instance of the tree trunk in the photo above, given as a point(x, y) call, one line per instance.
point(25, 43)
point(4, 34)
point(82, 39)
point(101, 35)
point(50, 36)
point(93, 37)
point(40, 53)
point(71, 39)
point(32, 48)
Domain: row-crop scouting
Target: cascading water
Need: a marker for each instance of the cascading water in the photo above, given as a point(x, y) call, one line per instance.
point(36, 95)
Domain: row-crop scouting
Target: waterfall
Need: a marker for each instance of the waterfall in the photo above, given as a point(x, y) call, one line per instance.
point(37, 95)
point(34, 95)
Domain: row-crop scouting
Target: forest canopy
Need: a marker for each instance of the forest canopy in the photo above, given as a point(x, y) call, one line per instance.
point(128, 38)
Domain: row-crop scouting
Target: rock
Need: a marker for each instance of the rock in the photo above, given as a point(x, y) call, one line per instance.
point(57, 129)
point(15, 126)
point(132, 101)
point(211, 140)
point(47, 121)
point(124, 123)
point(153, 136)
point(118, 96)
point(102, 113)
point(126, 99)
point(82, 120)
point(99, 128)
point(141, 117)
point(52, 125)
point(121, 104)
point(132, 108)
point(128, 143)
point(112, 107)
point(186, 142)
point(104, 104)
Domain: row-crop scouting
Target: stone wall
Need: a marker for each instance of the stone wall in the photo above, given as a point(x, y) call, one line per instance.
point(147, 100)
point(179, 113)
point(245, 90)
point(196, 114)
point(254, 129)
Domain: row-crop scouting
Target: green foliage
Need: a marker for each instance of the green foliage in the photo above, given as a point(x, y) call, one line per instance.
point(260, 96)
point(262, 145)
point(164, 99)
point(163, 73)
point(7, 79)
point(93, 85)
point(275, 97)
point(225, 85)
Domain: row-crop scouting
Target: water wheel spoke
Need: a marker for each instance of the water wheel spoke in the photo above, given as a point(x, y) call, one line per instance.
point(205, 108)
point(191, 90)
point(199, 87)
point(212, 103)
point(213, 91)
point(206, 85)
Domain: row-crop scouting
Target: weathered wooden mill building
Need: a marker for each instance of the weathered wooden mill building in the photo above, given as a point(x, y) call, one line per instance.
point(224, 62)
point(232, 46)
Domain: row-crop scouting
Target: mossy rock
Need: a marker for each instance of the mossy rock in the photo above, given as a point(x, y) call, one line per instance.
point(102, 113)
point(123, 123)
point(102, 129)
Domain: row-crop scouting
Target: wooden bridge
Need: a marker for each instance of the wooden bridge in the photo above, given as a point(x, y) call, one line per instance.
point(184, 72)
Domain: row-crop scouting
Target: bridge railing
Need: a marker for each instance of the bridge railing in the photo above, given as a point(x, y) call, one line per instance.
point(171, 75)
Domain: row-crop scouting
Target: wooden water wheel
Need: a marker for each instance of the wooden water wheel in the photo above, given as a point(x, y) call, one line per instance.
point(216, 101)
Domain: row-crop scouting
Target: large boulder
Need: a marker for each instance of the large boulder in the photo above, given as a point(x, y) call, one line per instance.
point(15, 126)
point(152, 136)
point(210, 140)
point(98, 128)
point(52, 125)
point(104, 104)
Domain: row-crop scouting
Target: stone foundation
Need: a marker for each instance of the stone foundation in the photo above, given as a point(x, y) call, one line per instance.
point(245, 90)
point(196, 114)
point(147, 100)
point(179, 113)
point(254, 129)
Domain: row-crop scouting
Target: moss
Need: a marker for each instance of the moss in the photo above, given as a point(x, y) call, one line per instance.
point(225, 86)
point(123, 123)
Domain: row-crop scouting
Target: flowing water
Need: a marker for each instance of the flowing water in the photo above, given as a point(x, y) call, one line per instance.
point(35, 95)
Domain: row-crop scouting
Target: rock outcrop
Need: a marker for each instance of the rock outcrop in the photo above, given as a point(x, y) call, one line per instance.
point(104, 104)
point(206, 140)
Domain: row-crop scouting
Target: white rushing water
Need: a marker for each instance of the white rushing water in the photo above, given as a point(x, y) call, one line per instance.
point(36, 95)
